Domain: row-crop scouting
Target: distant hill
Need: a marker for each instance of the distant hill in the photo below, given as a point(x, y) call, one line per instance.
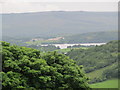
point(46, 24)
point(92, 37)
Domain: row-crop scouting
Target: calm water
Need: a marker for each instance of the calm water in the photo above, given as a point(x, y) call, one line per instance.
point(63, 46)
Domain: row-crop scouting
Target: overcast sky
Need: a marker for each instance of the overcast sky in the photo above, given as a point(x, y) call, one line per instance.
point(23, 6)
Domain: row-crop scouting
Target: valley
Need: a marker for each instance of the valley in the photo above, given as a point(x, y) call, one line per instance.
point(57, 50)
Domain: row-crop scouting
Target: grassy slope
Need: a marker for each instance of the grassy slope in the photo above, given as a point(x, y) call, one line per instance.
point(98, 73)
point(63, 50)
point(113, 83)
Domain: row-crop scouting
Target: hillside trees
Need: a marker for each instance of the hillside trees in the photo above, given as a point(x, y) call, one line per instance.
point(99, 57)
point(96, 57)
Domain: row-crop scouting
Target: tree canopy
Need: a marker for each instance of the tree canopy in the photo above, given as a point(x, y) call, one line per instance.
point(29, 68)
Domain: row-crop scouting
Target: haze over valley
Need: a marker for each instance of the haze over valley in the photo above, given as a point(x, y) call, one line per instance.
point(52, 23)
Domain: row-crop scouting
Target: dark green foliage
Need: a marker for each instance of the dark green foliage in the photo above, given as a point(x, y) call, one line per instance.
point(29, 68)
point(77, 46)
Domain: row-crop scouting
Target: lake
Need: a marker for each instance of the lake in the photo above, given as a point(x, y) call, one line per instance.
point(63, 46)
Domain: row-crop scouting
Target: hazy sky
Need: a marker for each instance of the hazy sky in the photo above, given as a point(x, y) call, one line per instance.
point(20, 6)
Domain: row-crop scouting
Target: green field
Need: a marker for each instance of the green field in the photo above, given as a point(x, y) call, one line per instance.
point(63, 50)
point(113, 83)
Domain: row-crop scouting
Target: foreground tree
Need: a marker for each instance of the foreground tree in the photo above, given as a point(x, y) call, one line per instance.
point(29, 68)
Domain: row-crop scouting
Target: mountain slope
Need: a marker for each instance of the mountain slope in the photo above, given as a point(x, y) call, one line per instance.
point(59, 22)
point(92, 37)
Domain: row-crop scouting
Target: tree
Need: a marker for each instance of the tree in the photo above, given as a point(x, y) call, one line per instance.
point(29, 68)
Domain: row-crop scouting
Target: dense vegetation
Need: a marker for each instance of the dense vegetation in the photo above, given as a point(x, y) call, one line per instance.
point(78, 46)
point(29, 68)
point(96, 58)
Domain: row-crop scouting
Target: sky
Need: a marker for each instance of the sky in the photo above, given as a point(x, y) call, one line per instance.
point(23, 6)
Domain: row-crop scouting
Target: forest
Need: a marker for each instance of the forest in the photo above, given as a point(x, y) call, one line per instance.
point(30, 59)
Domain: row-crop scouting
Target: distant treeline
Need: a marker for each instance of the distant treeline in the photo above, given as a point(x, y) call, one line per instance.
point(91, 37)
point(44, 48)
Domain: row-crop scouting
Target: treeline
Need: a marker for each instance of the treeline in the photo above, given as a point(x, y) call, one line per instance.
point(79, 46)
point(44, 48)
point(27, 68)
point(98, 57)
point(92, 37)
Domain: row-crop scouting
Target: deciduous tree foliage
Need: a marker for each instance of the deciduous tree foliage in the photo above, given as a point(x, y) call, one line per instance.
point(29, 68)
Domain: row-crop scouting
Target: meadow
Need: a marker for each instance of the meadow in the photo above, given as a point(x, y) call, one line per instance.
point(69, 49)
point(113, 83)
